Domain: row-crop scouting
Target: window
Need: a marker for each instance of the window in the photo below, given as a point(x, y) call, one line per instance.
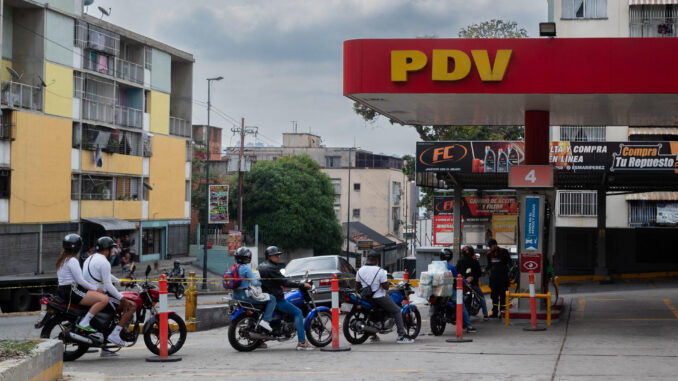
point(337, 211)
point(4, 183)
point(584, 9)
point(578, 204)
point(336, 184)
point(6, 125)
point(653, 20)
point(75, 187)
point(76, 139)
point(642, 213)
point(582, 133)
point(148, 54)
point(395, 217)
point(395, 193)
point(332, 161)
point(111, 140)
point(188, 191)
point(356, 187)
point(356, 213)
point(145, 189)
point(151, 240)
point(127, 188)
point(96, 188)
point(189, 150)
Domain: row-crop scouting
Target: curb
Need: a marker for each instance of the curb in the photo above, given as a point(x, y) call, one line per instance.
point(45, 364)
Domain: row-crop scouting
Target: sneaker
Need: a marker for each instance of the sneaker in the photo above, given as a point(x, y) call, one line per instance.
point(117, 341)
point(87, 328)
point(304, 346)
point(264, 324)
point(107, 353)
point(404, 340)
point(471, 330)
point(374, 339)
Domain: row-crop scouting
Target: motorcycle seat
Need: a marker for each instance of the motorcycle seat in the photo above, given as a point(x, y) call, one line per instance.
point(59, 303)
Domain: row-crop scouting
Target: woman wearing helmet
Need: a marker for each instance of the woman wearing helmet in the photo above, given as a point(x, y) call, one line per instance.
point(73, 287)
point(243, 258)
point(469, 268)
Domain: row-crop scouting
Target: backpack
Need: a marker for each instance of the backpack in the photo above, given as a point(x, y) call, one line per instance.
point(232, 278)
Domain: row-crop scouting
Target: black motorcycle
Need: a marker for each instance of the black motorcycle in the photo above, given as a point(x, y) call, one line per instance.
point(443, 310)
point(175, 284)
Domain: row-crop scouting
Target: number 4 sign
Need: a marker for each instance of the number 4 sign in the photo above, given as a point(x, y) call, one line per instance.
point(531, 176)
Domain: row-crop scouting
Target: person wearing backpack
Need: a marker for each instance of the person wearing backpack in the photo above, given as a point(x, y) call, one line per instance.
point(373, 278)
point(245, 278)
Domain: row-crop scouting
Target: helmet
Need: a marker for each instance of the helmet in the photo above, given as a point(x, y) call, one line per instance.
point(177, 263)
point(104, 243)
point(445, 254)
point(243, 255)
point(491, 242)
point(373, 254)
point(73, 243)
point(272, 250)
point(468, 251)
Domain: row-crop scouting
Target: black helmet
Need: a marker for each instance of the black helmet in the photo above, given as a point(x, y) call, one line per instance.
point(445, 254)
point(491, 242)
point(272, 250)
point(468, 251)
point(243, 255)
point(72, 243)
point(177, 263)
point(104, 243)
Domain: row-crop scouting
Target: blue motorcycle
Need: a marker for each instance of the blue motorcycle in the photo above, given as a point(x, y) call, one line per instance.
point(365, 320)
point(245, 335)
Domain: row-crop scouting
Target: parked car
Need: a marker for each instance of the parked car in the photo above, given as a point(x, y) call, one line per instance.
point(320, 270)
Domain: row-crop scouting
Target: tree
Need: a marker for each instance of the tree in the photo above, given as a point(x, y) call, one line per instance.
point(493, 29)
point(408, 166)
point(292, 201)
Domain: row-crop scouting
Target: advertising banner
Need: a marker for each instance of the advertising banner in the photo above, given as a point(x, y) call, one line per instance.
point(469, 157)
point(614, 156)
point(504, 229)
point(667, 213)
point(218, 204)
point(531, 223)
point(443, 230)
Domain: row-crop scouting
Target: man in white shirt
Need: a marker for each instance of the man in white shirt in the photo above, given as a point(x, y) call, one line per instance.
point(97, 270)
point(373, 276)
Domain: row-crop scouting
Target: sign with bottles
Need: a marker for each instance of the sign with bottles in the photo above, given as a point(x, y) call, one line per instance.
point(469, 157)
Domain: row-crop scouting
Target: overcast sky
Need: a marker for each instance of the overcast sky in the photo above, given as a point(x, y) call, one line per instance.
point(282, 59)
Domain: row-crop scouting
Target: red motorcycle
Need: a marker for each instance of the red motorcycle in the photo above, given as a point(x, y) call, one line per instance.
point(58, 320)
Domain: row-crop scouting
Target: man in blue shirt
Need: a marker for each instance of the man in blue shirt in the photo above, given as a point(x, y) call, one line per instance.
point(446, 255)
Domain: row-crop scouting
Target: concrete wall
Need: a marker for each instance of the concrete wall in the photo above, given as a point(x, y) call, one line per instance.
point(301, 140)
point(59, 36)
point(161, 71)
point(70, 6)
point(112, 163)
point(167, 168)
point(59, 93)
point(615, 25)
point(158, 108)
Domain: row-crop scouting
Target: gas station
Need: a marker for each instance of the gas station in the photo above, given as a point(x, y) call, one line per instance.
point(536, 83)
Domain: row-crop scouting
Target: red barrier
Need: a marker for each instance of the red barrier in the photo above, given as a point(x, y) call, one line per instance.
point(162, 324)
point(533, 306)
point(460, 313)
point(335, 319)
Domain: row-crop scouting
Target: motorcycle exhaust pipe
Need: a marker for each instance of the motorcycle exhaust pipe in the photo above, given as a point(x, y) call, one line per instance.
point(366, 328)
point(79, 338)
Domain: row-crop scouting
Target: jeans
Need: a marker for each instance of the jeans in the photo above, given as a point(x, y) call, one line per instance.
point(388, 305)
point(290, 309)
point(270, 305)
point(465, 316)
point(483, 303)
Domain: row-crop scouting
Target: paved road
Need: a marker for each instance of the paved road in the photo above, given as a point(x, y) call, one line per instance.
point(623, 331)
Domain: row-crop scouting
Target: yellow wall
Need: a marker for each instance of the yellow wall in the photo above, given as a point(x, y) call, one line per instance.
point(41, 169)
point(96, 208)
point(5, 74)
point(127, 210)
point(158, 108)
point(168, 178)
point(113, 163)
point(59, 92)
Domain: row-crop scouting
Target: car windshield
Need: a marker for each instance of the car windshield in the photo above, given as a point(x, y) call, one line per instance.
point(312, 264)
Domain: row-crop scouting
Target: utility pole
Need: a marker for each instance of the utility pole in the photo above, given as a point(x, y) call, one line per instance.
point(243, 130)
point(348, 213)
point(207, 181)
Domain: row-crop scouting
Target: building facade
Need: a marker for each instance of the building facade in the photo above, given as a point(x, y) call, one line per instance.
point(95, 135)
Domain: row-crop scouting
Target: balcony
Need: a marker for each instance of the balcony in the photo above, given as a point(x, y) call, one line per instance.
point(96, 111)
point(179, 127)
point(129, 71)
point(98, 63)
point(19, 95)
point(130, 117)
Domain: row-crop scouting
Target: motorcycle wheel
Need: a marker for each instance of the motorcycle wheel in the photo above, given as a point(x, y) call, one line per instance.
point(131, 336)
point(355, 337)
point(179, 291)
point(236, 334)
point(56, 328)
point(472, 305)
point(176, 337)
point(438, 324)
point(319, 331)
point(412, 322)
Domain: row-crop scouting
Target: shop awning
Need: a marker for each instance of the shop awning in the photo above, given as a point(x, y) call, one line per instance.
point(652, 2)
point(359, 231)
point(112, 223)
point(653, 130)
point(653, 196)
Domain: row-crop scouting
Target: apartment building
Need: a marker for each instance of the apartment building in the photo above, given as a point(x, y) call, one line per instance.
point(632, 218)
point(95, 135)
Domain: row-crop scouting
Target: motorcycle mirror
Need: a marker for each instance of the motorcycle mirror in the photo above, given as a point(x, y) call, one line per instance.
point(148, 270)
point(282, 271)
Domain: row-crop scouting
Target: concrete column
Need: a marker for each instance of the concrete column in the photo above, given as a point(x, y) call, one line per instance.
point(457, 222)
point(536, 137)
point(601, 257)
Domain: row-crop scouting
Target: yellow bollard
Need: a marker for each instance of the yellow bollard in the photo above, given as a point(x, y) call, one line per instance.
point(506, 311)
point(191, 303)
point(548, 308)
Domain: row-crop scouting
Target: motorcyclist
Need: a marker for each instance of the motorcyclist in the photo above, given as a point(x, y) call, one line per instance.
point(498, 265)
point(469, 268)
point(177, 270)
point(272, 282)
point(73, 287)
point(97, 271)
point(373, 276)
point(243, 257)
point(446, 255)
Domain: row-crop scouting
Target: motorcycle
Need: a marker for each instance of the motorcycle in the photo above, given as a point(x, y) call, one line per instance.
point(244, 334)
point(175, 284)
point(364, 319)
point(58, 320)
point(443, 310)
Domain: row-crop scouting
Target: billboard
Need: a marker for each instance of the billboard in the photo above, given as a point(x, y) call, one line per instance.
point(218, 204)
point(614, 156)
point(469, 157)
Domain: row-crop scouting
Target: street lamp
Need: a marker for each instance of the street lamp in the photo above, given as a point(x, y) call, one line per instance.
point(207, 182)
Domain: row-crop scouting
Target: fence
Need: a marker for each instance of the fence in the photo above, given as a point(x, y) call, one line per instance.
point(19, 95)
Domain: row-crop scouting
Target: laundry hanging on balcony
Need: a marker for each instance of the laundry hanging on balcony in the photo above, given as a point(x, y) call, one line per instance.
point(98, 157)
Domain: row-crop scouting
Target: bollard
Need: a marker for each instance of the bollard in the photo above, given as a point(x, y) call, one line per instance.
point(460, 313)
point(406, 276)
point(533, 307)
point(162, 325)
point(506, 310)
point(335, 319)
point(191, 303)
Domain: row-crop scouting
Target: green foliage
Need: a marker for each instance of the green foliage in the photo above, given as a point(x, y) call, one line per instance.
point(408, 167)
point(292, 201)
point(493, 29)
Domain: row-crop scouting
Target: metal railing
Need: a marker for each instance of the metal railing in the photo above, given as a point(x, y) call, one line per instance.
point(98, 111)
point(97, 65)
point(19, 95)
point(179, 127)
point(652, 21)
point(130, 117)
point(129, 71)
point(582, 133)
